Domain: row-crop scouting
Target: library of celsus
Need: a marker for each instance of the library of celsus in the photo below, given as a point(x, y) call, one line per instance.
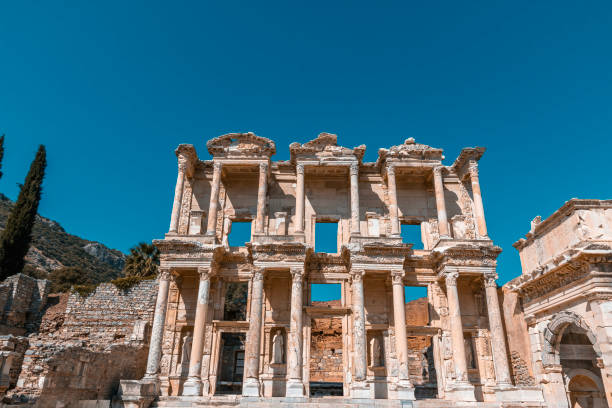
point(326, 280)
point(236, 323)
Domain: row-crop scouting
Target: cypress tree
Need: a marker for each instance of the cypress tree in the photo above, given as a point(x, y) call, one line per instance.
point(16, 237)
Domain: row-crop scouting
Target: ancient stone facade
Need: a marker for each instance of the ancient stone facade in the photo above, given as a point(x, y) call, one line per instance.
point(198, 354)
point(564, 326)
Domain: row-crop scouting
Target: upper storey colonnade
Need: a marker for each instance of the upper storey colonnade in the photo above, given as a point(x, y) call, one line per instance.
point(246, 156)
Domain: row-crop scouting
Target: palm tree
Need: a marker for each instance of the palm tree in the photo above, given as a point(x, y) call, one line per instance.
point(143, 260)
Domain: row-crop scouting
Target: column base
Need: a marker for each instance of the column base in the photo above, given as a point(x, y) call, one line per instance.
point(405, 390)
point(361, 389)
point(251, 388)
point(193, 386)
point(460, 391)
point(295, 389)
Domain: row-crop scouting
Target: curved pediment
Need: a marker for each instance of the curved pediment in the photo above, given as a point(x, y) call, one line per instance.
point(241, 145)
point(325, 146)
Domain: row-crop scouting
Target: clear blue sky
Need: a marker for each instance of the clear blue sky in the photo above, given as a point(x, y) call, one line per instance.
point(112, 88)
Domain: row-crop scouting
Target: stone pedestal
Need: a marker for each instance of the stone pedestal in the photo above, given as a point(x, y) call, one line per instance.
point(361, 389)
point(137, 393)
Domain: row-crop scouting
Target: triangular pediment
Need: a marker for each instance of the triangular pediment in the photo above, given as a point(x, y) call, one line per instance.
point(325, 147)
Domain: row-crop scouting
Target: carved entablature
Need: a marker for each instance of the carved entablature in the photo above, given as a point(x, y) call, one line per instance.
point(466, 255)
point(326, 263)
point(177, 250)
point(241, 145)
point(468, 155)
point(325, 149)
point(378, 253)
point(409, 151)
point(279, 252)
point(549, 278)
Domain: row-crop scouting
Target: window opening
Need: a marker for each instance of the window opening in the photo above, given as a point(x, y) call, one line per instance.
point(240, 233)
point(328, 293)
point(326, 237)
point(411, 234)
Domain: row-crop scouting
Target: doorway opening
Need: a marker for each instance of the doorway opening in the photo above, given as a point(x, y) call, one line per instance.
point(326, 357)
point(231, 364)
point(239, 233)
point(234, 307)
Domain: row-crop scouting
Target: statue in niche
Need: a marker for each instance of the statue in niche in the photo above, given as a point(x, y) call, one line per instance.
point(376, 359)
point(278, 348)
point(186, 348)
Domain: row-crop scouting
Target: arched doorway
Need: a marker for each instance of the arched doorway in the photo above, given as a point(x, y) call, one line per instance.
point(581, 373)
point(584, 392)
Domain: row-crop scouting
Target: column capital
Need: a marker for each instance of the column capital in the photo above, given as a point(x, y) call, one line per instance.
point(263, 166)
point(437, 171)
point(473, 168)
point(299, 168)
point(354, 169)
point(397, 277)
point(451, 278)
point(391, 170)
point(165, 273)
point(258, 274)
point(490, 280)
point(297, 274)
point(182, 166)
point(217, 166)
point(356, 275)
point(204, 272)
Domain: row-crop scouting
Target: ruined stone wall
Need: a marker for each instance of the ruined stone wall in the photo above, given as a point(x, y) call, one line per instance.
point(326, 350)
point(102, 339)
point(22, 298)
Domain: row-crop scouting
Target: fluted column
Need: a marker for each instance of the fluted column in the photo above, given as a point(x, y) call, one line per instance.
point(457, 337)
point(299, 199)
point(261, 197)
point(159, 319)
point(440, 202)
point(498, 338)
point(395, 227)
point(355, 198)
point(480, 217)
point(178, 197)
point(211, 229)
point(251, 388)
point(194, 384)
point(295, 385)
point(359, 386)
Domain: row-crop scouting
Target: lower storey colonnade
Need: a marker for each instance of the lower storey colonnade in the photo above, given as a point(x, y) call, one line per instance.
point(256, 333)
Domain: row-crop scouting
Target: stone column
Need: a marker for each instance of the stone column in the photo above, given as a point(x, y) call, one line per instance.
point(498, 337)
point(159, 319)
point(440, 203)
point(299, 199)
point(359, 388)
point(480, 217)
point(178, 197)
point(261, 198)
point(355, 199)
point(295, 385)
point(251, 388)
point(405, 389)
point(194, 384)
point(211, 229)
point(457, 337)
point(395, 227)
